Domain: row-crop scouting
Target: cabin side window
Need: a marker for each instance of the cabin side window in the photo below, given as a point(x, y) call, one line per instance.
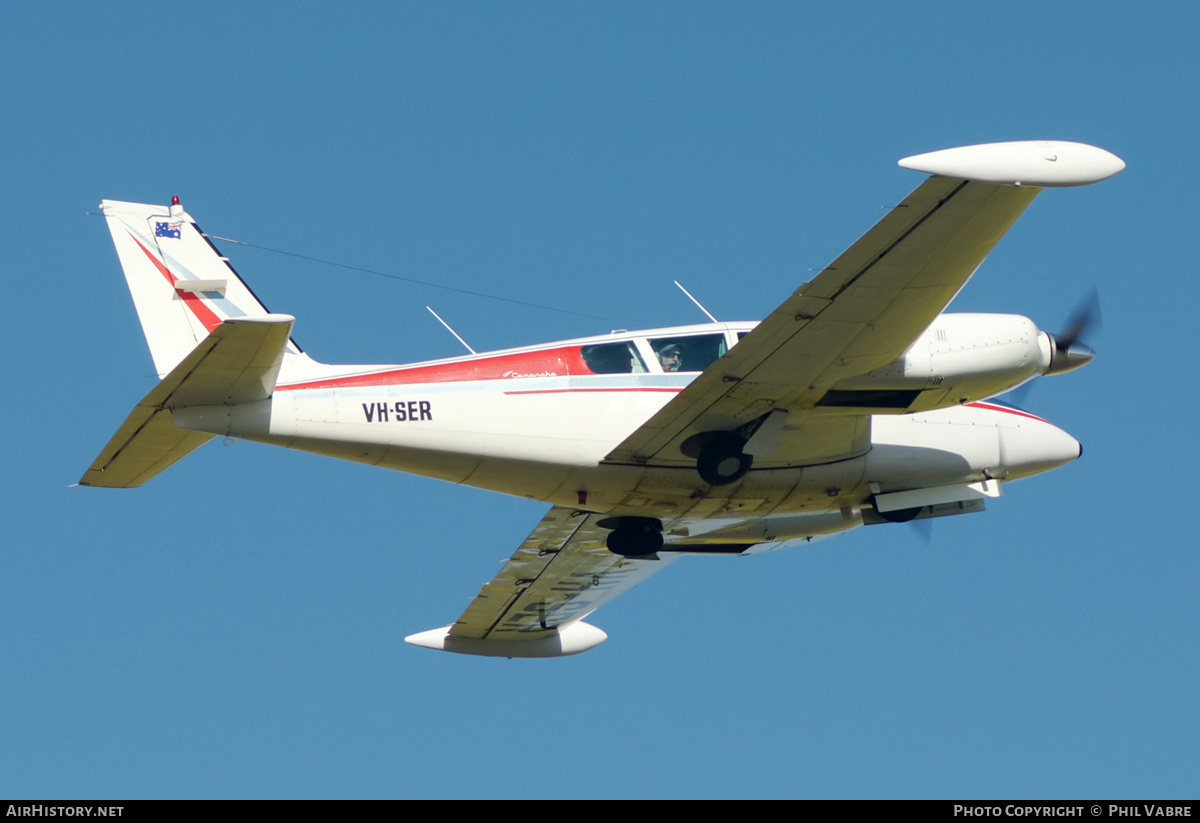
point(613, 358)
point(688, 353)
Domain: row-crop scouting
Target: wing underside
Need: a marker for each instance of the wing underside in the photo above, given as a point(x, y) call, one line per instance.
point(860, 313)
point(535, 606)
point(237, 363)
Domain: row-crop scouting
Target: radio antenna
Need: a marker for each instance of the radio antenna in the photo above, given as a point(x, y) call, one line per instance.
point(694, 300)
point(452, 331)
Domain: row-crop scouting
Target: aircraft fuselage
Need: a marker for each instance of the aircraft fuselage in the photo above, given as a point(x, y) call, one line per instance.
point(539, 423)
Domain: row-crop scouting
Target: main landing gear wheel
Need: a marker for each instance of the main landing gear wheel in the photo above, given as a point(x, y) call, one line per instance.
point(722, 460)
point(633, 536)
point(900, 515)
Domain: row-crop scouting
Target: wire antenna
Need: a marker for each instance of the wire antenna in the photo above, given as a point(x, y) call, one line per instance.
point(452, 331)
point(697, 302)
point(408, 279)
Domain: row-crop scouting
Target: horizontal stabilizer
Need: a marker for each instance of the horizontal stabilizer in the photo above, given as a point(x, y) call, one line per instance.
point(146, 444)
point(238, 363)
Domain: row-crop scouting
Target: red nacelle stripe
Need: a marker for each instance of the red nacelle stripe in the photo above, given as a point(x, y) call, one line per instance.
point(1005, 409)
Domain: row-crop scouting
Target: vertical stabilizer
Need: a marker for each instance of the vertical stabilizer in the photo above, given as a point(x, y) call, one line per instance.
point(181, 285)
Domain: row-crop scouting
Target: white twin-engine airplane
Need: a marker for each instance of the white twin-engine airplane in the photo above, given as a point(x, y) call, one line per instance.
point(855, 402)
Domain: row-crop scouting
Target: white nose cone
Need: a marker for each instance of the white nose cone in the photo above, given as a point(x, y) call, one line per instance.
point(1041, 163)
point(1035, 446)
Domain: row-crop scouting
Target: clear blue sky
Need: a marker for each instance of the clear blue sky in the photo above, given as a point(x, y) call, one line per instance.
point(234, 628)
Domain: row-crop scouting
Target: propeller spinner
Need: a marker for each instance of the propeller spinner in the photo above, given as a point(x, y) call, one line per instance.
point(1067, 351)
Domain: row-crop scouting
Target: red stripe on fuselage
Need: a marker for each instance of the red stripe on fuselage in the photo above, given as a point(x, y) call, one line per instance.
point(193, 301)
point(563, 361)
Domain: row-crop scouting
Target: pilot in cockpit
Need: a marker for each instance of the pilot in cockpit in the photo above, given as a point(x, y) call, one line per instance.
point(670, 357)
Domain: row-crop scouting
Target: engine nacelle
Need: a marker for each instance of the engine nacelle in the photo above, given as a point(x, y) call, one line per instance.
point(958, 359)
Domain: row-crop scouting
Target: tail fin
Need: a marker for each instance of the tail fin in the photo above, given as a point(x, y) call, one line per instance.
point(181, 285)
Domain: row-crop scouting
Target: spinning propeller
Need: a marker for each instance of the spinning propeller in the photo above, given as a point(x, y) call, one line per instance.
point(1067, 351)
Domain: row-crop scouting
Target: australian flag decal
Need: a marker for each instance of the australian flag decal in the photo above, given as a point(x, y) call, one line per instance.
point(167, 230)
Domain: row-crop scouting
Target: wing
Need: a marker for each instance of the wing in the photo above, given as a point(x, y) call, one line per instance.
point(779, 386)
point(862, 312)
point(535, 606)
